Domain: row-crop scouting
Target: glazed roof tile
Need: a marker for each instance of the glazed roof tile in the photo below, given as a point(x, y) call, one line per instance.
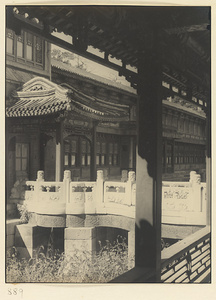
point(40, 97)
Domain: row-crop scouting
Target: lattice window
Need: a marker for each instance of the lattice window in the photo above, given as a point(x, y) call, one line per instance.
point(38, 50)
point(169, 154)
point(86, 153)
point(191, 154)
point(115, 155)
point(70, 153)
point(10, 41)
point(29, 46)
point(101, 153)
point(22, 150)
point(111, 154)
point(25, 46)
point(176, 154)
point(20, 46)
point(67, 153)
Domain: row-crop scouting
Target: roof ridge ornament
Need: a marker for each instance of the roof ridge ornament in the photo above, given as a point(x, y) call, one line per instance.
point(39, 86)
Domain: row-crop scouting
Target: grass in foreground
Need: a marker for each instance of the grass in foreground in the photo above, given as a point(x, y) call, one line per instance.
point(110, 262)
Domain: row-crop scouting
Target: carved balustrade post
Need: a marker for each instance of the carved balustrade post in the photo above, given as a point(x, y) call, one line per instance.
point(130, 182)
point(39, 180)
point(66, 181)
point(100, 187)
point(192, 174)
point(195, 182)
point(40, 175)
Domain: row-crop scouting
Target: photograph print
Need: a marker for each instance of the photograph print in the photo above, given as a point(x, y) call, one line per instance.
point(108, 144)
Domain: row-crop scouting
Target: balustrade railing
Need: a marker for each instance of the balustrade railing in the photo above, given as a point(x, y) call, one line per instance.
point(182, 202)
point(188, 260)
point(45, 195)
point(118, 192)
point(70, 197)
point(82, 196)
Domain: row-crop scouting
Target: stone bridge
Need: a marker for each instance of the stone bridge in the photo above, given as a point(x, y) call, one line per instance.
point(79, 214)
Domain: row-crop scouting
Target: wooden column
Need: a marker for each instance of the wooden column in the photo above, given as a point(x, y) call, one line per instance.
point(131, 153)
point(93, 153)
point(149, 166)
point(165, 155)
point(42, 150)
point(208, 164)
point(173, 156)
point(59, 152)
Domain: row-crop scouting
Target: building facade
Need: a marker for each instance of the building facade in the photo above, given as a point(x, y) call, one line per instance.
point(62, 118)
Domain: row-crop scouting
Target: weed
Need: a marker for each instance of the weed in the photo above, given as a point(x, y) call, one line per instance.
point(24, 213)
point(111, 261)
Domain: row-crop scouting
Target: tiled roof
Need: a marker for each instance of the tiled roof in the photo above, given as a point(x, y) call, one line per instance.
point(41, 97)
point(18, 75)
point(68, 68)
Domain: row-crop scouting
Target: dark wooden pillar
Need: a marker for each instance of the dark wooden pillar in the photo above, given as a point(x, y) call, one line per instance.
point(173, 157)
point(42, 142)
point(131, 154)
point(165, 155)
point(208, 164)
point(59, 152)
point(149, 166)
point(93, 171)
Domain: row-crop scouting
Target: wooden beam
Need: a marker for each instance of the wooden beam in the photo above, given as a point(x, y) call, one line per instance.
point(16, 23)
point(93, 153)
point(169, 58)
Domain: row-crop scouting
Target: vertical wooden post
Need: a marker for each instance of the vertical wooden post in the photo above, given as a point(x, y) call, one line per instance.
point(42, 150)
point(59, 152)
point(149, 166)
point(165, 155)
point(93, 153)
point(208, 164)
point(173, 157)
point(131, 153)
